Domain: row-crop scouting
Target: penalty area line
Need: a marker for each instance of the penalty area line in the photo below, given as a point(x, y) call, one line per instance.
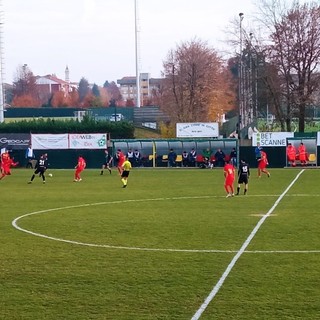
point(224, 276)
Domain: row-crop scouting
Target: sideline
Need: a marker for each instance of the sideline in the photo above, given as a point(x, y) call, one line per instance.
point(219, 284)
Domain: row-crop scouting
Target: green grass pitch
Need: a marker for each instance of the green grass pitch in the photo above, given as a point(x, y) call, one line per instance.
point(155, 250)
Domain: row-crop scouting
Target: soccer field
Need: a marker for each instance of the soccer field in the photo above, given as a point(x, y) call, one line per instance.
point(169, 246)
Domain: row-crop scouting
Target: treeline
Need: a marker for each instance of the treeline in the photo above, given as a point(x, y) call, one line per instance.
point(117, 130)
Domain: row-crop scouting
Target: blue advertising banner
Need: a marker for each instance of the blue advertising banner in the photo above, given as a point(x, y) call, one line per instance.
point(14, 141)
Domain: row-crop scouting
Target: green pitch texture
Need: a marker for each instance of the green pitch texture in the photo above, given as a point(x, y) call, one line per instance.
point(159, 213)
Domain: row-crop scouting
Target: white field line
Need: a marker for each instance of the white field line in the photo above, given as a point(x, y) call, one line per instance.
point(86, 244)
point(283, 251)
point(15, 225)
point(219, 284)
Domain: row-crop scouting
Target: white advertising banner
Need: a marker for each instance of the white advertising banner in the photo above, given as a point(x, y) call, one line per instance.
point(88, 140)
point(197, 130)
point(49, 141)
point(271, 139)
point(318, 138)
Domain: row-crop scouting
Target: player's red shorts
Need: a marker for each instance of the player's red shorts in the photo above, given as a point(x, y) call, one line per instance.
point(302, 157)
point(6, 169)
point(229, 181)
point(262, 165)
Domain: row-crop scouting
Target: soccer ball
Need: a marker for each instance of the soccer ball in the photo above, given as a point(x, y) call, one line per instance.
point(50, 174)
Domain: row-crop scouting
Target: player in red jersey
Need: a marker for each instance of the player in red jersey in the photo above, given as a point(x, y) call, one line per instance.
point(228, 171)
point(302, 154)
point(6, 164)
point(79, 168)
point(263, 164)
point(291, 154)
point(121, 159)
point(3, 160)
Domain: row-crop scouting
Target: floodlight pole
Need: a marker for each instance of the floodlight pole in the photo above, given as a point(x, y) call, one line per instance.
point(2, 100)
point(241, 97)
point(138, 104)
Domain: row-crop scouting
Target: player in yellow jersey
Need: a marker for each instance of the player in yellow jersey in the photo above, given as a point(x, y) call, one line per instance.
point(126, 167)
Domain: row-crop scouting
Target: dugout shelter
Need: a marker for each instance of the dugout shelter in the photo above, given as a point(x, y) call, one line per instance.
point(155, 151)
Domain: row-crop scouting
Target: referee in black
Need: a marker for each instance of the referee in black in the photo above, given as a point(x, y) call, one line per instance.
point(243, 176)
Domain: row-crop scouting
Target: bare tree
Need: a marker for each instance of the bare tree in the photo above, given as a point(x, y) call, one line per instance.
point(113, 91)
point(24, 88)
point(295, 53)
point(196, 85)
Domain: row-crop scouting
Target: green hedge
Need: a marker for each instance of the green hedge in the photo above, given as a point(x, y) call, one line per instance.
point(117, 130)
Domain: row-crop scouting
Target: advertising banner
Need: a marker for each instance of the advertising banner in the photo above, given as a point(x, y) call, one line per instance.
point(271, 139)
point(49, 141)
point(197, 130)
point(88, 140)
point(14, 141)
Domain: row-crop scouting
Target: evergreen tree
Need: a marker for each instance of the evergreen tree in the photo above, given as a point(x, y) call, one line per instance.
point(95, 91)
point(83, 89)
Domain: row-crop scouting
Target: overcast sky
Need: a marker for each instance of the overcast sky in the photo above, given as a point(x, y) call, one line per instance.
point(96, 38)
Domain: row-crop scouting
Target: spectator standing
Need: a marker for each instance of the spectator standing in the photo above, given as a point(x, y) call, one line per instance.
point(185, 159)
point(29, 156)
point(172, 157)
point(107, 162)
point(233, 157)
point(137, 158)
point(257, 151)
point(219, 158)
point(130, 156)
point(192, 157)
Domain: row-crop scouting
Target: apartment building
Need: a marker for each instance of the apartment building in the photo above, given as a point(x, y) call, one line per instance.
point(148, 86)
